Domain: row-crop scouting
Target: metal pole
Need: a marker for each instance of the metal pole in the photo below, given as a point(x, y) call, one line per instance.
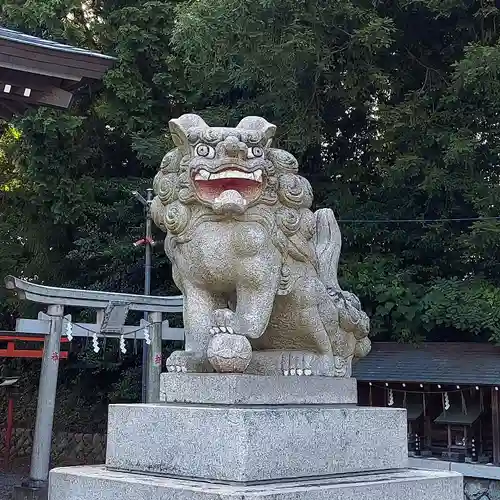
point(10, 426)
point(40, 458)
point(149, 239)
point(147, 289)
point(154, 365)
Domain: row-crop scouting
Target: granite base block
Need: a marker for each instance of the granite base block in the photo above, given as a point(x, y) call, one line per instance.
point(258, 443)
point(237, 389)
point(97, 483)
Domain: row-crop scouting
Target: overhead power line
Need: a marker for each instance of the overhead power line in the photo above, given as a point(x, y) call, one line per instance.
point(419, 221)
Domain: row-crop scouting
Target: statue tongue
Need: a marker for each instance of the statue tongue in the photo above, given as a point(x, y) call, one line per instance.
point(229, 202)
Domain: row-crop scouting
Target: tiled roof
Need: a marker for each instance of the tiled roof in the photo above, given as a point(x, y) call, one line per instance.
point(16, 36)
point(432, 362)
point(455, 416)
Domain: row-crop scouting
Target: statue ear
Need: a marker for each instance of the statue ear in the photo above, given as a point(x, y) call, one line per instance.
point(179, 128)
point(257, 123)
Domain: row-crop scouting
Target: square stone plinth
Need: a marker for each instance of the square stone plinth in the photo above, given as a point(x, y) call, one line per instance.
point(97, 483)
point(234, 389)
point(254, 443)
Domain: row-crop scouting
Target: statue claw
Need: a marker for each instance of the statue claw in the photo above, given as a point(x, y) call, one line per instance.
point(224, 320)
point(299, 372)
point(296, 363)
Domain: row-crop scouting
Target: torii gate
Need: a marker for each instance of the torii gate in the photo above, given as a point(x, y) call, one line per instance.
point(112, 309)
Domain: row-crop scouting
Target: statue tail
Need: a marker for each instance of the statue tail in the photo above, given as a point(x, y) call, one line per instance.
point(327, 243)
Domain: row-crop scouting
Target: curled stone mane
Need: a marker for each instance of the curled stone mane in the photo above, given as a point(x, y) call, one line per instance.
point(283, 208)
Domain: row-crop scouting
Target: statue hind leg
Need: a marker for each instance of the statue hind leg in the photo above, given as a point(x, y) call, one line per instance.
point(290, 363)
point(296, 341)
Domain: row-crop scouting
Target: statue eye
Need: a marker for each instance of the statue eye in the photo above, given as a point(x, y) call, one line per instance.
point(255, 152)
point(205, 151)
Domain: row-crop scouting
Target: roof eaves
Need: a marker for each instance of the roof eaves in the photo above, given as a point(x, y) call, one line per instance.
point(18, 37)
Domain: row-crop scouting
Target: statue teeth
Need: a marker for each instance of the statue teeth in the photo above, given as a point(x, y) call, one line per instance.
point(229, 174)
point(257, 175)
point(202, 175)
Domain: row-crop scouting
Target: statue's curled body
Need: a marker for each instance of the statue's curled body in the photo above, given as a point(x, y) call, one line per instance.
point(251, 258)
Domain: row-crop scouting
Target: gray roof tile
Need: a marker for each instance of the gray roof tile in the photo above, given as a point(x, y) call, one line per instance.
point(432, 362)
point(16, 36)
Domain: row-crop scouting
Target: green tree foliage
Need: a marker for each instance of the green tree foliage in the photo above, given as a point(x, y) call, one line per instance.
point(390, 106)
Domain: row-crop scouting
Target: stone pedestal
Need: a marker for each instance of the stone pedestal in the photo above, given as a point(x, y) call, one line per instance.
point(98, 483)
point(240, 436)
point(249, 444)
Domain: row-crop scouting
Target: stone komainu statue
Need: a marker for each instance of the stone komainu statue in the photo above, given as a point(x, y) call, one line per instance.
point(250, 257)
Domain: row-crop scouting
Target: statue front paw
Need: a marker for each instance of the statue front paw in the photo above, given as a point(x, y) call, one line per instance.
point(228, 351)
point(188, 362)
point(223, 322)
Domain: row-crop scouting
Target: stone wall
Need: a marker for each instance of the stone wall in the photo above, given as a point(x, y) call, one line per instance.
point(481, 489)
point(68, 448)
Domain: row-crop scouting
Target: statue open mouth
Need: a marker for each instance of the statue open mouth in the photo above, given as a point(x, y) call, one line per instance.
point(230, 189)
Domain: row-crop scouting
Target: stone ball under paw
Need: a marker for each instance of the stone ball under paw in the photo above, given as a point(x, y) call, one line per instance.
point(229, 353)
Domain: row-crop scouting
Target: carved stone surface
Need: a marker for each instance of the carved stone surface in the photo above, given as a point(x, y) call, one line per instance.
point(250, 257)
point(229, 353)
point(97, 483)
point(481, 489)
point(244, 389)
point(255, 443)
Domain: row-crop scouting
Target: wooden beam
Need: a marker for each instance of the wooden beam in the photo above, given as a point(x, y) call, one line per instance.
point(29, 80)
point(427, 421)
point(56, 97)
point(4, 112)
point(47, 66)
point(495, 413)
point(18, 64)
point(52, 97)
point(14, 106)
point(77, 59)
point(12, 352)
